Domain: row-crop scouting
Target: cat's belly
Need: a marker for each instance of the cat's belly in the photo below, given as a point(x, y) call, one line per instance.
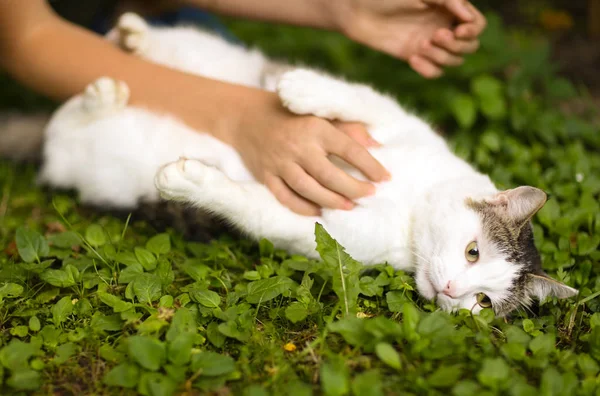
point(112, 161)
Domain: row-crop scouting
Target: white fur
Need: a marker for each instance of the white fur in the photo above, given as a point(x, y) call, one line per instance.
point(418, 221)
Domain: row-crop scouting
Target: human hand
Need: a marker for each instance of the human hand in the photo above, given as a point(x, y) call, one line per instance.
point(429, 34)
point(289, 154)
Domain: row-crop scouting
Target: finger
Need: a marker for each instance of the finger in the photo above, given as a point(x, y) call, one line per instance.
point(290, 199)
point(445, 39)
point(358, 132)
point(357, 156)
point(459, 8)
point(333, 178)
point(440, 56)
point(307, 187)
point(473, 28)
point(424, 67)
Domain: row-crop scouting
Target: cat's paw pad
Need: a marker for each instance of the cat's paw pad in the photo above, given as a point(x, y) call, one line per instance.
point(305, 92)
point(105, 94)
point(180, 179)
point(132, 31)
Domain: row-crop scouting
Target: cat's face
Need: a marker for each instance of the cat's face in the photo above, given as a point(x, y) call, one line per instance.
point(480, 253)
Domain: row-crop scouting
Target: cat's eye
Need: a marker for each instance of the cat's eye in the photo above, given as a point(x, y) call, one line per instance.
point(472, 252)
point(483, 300)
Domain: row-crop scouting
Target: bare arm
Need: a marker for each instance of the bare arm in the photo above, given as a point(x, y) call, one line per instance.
point(59, 59)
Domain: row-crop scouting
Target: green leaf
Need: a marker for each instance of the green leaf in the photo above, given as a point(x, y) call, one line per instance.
point(127, 258)
point(212, 364)
point(159, 244)
point(344, 268)
point(156, 384)
point(34, 324)
point(367, 383)
point(494, 373)
point(19, 331)
point(114, 302)
point(528, 325)
point(464, 110)
point(64, 352)
point(296, 312)
point(180, 349)
point(15, 356)
point(214, 335)
point(66, 277)
point(124, 375)
point(388, 355)
point(352, 329)
point(164, 272)
point(195, 269)
point(95, 236)
point(267, 289)
point(335, 377)
point(24, 379)
point(148, 352)
point(183, 322)
point(145, 258)
point(65, 240)
point(61, 310)
point(147, 288)
point(10, 290)
point(130, 273)
point(31, 245)
point(207, 298)
point(543, 344)
point(445, 376)
point(232, 329)
point(396, 300)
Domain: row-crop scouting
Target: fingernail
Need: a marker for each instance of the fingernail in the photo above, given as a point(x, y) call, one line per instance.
point(387, 177)
point(372, 190)
point(348, 205)
point(467, 10)
point(374, 143)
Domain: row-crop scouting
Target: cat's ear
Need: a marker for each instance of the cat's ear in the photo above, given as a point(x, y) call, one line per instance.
point(519, 204)
point(542, 286)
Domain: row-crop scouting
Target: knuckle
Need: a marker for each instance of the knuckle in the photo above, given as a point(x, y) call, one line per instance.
point(353, 150)
point(299, 183)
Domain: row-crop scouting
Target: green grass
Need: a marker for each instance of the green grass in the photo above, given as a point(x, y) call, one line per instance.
point(96, 304)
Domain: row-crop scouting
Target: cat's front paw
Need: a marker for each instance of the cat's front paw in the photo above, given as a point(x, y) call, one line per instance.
point(307, 92)
point(182, 179)
point(132, 33)
point(105, 94)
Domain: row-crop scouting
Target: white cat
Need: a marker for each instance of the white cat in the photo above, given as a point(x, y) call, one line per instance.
point(469, 244)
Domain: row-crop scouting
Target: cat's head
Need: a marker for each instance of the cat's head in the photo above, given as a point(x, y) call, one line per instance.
point(479, 252)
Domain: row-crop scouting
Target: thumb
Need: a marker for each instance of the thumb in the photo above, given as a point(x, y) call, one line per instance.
point(459, 8)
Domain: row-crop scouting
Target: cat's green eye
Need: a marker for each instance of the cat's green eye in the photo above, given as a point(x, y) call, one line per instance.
point(472, 252)
point(483, 300)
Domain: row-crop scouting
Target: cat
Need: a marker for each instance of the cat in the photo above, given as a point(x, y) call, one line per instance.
point(470, 245)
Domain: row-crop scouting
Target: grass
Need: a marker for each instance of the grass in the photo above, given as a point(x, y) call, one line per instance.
point(96, 304)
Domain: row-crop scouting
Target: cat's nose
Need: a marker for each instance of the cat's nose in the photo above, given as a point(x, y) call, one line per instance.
point(450, 289)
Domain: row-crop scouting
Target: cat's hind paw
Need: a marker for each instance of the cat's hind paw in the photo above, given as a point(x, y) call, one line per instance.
point(307, 92)
point(105, 94)
point(131, 33)
point(181, 180)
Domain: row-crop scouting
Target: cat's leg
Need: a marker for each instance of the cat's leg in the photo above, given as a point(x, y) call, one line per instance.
point(308, 92)
point(249, 206)
point(131, 34)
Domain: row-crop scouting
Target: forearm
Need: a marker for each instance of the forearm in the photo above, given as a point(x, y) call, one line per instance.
point(311, 13)
point(59, 59)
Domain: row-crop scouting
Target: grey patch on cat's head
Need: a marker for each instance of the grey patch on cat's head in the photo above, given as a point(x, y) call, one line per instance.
point(506, 223)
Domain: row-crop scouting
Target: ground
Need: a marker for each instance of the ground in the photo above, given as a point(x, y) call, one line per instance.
point(97, 303)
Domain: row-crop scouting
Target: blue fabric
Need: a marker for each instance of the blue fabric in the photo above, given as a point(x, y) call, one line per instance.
point(185, 15)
